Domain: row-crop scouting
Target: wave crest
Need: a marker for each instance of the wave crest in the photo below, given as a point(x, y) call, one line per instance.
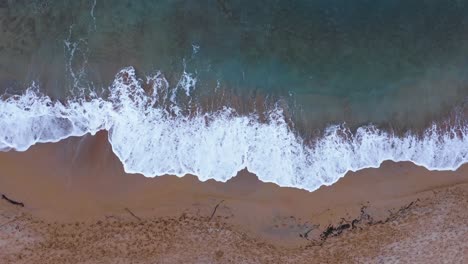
point(151, 136)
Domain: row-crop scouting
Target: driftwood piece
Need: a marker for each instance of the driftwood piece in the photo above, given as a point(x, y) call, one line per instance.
point(214, 210)
point(13, 202)
point(132, 214)
point(364, 218)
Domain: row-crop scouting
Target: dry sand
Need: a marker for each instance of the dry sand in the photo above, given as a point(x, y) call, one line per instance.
point(80, 207)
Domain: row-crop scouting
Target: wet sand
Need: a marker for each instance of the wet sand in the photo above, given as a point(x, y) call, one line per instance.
point(80, 207)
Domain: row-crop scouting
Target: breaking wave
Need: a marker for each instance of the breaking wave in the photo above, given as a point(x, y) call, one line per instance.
point(152, 139)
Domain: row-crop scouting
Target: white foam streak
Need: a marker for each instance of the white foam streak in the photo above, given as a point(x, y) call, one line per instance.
point(91, 13)
point(152, 140)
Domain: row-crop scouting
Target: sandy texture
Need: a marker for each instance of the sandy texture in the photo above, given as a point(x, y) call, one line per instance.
point(80, 207)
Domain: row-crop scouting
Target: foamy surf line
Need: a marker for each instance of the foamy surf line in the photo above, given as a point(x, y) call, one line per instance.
point(154, 140)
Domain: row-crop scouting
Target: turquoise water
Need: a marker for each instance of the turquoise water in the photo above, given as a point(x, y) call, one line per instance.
point(332, 61)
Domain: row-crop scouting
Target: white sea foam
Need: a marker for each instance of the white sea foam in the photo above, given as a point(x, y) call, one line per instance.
point(155, 140)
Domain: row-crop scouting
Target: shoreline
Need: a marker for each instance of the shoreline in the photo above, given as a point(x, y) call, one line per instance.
point(81, 180)
point(143, 135)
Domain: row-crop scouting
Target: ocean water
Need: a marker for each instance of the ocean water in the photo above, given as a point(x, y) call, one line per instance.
point(298, 92)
